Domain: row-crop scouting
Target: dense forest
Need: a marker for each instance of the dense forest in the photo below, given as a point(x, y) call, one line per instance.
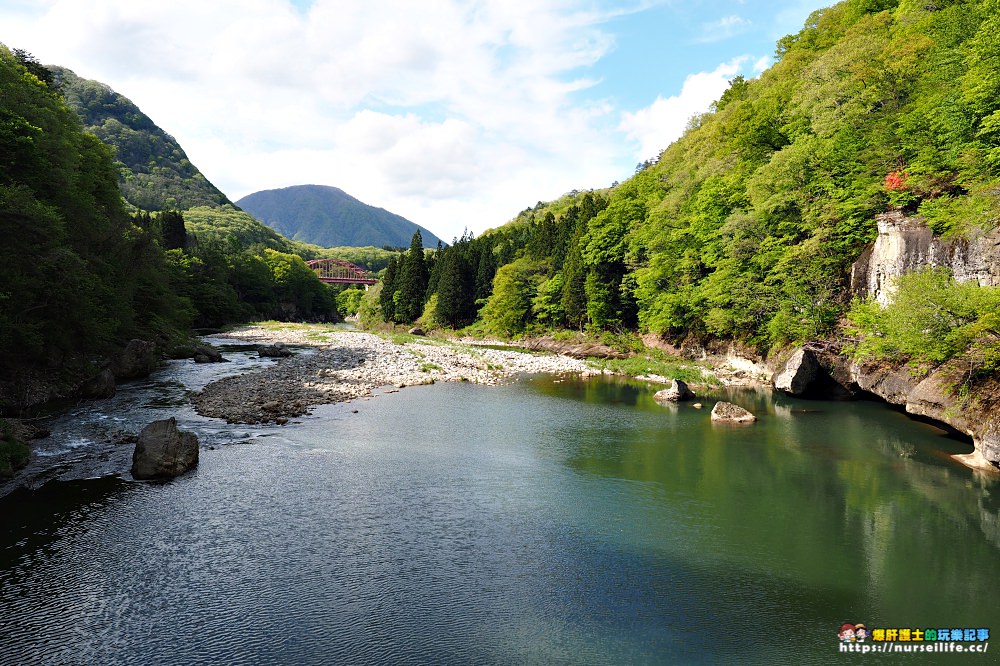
point(154, 173)
point(746, 227)
point(84, 275)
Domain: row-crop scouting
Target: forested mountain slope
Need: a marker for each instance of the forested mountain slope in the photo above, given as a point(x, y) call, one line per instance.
point(80, 274)
point(154, 173)
point(329, 217)
point(746, 227)
point(83, 276)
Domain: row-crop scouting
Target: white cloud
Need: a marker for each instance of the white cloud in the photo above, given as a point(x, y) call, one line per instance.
point(724, 28)
point(448, 112)
point(452, 113)
point(663, 122)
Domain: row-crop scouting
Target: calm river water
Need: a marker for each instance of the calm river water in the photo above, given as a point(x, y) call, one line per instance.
point(539, 522)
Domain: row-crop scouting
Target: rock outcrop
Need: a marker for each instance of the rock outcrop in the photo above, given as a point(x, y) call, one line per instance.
point(677, 392)
point(798, 373)
point(907, 243)
point(138, 359)
point(163, 451)
point(729, 413)
point(580, 348)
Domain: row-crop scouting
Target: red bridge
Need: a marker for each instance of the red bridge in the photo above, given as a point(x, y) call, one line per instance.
point(337, 271)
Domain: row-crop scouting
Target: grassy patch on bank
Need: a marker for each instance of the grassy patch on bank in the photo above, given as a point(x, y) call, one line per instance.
point(656, 362)
point(13, 452)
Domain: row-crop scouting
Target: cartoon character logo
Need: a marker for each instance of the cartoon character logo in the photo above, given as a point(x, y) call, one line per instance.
point(860, 633)
point(846, 634)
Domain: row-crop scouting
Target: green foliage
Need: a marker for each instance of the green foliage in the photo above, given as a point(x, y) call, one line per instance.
point(410, 284)
point(370, 312)
point(349, 302)
point(153, 171)
point(227, 225)
point(508, 310)
point(656, 362)
point(930, 319)
point(80, 273)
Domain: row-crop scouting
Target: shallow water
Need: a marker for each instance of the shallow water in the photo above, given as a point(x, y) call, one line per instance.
point(544, 521)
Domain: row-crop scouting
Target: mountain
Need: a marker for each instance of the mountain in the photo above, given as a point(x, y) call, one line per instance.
point(329, 217)
point(748, 226)
point(154, 173)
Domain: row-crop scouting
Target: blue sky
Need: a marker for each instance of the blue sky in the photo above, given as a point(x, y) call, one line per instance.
point(452, 113)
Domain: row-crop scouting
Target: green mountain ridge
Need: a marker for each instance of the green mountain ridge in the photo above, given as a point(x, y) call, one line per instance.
point(154, 172)
point(329, 217)
point(746, 228)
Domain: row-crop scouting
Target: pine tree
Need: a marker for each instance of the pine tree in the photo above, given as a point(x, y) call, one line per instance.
point(412, 279)
point(456, 306)
point(574, 294)
point(172, 230)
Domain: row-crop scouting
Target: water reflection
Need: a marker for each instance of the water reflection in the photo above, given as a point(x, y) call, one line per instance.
point(570, 522)
point(826, 494)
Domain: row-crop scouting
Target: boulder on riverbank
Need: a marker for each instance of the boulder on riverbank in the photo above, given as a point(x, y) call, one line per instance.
point(138, 359)
point(678, 392)
point(727, 412)
point(163, 451)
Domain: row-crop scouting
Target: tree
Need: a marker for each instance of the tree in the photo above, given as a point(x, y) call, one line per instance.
point(412, 282)
point(173, 230)
point(455, 292)
point(508, 310)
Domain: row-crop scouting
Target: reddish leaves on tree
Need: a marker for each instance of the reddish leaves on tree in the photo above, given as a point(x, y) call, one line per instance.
point(896, 180)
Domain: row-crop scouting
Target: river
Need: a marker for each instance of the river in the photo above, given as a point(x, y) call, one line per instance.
point(548, 520)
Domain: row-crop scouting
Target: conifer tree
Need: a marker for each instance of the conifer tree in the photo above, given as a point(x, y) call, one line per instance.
point(412, 280)
point(456, 306)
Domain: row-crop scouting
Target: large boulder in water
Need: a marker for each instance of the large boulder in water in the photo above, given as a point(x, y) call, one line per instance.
point(677, 392)
point(730, 413)
point(798, 374)
point(207, 354)
point(163, 451)
point(138, 359)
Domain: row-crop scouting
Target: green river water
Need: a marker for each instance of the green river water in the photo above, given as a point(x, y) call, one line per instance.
point(545, 521)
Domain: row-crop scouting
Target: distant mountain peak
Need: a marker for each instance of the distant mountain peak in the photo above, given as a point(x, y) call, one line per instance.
point(327, 216)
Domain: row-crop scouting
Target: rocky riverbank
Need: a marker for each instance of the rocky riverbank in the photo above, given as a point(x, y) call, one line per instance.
point(350, 365)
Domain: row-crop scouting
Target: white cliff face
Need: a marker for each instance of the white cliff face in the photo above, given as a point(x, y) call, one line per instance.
point(907, 243)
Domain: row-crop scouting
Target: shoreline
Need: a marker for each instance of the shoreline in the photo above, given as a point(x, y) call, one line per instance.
point(349, 365)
